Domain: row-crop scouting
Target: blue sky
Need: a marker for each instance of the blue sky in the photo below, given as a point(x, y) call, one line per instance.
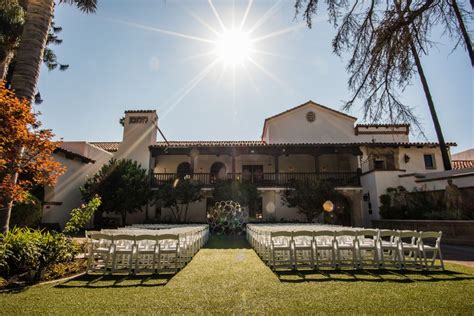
point(117, 62)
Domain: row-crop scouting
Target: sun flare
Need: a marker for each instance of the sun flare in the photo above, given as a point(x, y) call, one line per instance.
point(233, 47)
point(236, 48)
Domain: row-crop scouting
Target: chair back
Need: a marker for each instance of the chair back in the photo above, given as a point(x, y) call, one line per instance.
point(281, 233)
point(100, 240)
point(409, 236)
point(430, 237)
point(370, 233)
point(323, 237)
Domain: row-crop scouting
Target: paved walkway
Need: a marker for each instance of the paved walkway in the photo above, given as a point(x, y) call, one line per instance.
point(459, 254)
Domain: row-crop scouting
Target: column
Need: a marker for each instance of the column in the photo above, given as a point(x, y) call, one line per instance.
point(233, 163)
point(277, 168)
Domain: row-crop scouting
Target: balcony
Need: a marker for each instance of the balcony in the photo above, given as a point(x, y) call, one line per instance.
point(265, 179)
point(379, 163)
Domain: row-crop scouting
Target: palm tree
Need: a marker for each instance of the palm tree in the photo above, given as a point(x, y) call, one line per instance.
point(12, 17)
point(29, 55)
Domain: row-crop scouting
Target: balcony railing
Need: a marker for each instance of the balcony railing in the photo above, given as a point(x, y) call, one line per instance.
point(381, 162)
point(265, 179)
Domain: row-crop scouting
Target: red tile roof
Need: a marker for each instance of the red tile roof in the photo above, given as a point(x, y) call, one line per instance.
point(383, 125)
point(463, 164)
point(247, 143)
point(107, 146)
point(113, 146)
point(71, 155)
point(140, 111)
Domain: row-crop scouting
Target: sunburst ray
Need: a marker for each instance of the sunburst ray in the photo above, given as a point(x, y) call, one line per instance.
point(167, 32)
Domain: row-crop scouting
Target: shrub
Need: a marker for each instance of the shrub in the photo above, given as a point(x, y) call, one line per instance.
point(82, 215)
point(308, 196)
point(177, 196)
point(25, 250)
point(19, 251)
point(123, 186)
point(55, 248)
point(27, 213)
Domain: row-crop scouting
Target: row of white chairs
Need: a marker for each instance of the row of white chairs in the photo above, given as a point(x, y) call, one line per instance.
point(337, 247)
point(139, 250)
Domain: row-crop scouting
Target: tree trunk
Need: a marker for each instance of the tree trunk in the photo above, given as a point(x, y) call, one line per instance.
point(124, 217)
point(434, 116)
point(29, 55)
point(186, 213)
point(465, 34)
point(4, 64)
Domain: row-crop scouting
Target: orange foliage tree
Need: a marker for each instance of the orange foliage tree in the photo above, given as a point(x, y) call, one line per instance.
point(25, 153)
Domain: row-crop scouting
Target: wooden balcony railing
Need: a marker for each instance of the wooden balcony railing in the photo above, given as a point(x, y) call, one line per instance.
point(265, 179)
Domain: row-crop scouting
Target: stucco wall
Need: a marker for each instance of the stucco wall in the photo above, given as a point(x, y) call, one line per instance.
point(66, 191)
point(328, 127)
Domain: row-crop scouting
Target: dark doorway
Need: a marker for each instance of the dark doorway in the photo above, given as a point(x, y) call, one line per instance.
point(218, 172)
point(183, 170)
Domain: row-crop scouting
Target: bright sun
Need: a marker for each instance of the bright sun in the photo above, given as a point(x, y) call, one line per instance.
point(233, 47)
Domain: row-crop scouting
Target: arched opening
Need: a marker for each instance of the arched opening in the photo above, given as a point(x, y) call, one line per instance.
point(183, 170)
point(218, 171)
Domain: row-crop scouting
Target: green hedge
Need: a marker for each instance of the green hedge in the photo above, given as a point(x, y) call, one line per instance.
point(24, 250)
point(27, 214)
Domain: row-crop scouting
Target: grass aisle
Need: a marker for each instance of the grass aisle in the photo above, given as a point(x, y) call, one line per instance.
point(235, 280)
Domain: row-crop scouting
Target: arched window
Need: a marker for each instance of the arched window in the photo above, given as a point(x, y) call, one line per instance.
point(218, 171)
point(183, 170)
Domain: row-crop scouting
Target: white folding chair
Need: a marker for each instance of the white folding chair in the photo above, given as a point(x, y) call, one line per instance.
point(100, 252)
point(324, 248)
point(345, 243)
point(281, 250)
point(409, 248)
point(435, 249)
point(389, 254)
point(146, 253)
point(168, 252)
point(123, 252)
point(303, 249)
point(367, 249)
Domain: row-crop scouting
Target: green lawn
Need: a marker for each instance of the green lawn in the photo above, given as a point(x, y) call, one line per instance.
point(235, 280)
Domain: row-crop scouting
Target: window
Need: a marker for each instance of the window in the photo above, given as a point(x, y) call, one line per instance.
point(430, 161)
point(379, 164)
point(253, 173)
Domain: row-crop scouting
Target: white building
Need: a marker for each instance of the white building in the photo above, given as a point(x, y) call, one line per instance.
point(310, 141)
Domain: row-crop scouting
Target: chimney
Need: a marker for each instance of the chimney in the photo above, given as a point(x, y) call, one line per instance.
point(139, 133)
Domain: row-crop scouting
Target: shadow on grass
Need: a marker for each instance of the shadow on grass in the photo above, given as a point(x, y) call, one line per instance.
point(100, 281)
point(391, 276)
point(227, 242)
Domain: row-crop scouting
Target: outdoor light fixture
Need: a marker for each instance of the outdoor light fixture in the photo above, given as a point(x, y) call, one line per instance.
point(328, 206)
point(406, 158)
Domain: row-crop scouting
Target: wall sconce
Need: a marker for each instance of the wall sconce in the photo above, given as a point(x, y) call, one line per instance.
point(164, 170)
point(252, 151)
point(291, 169)
point(406, 158)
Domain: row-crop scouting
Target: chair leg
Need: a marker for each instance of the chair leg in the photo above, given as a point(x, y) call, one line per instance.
point(441, 258)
